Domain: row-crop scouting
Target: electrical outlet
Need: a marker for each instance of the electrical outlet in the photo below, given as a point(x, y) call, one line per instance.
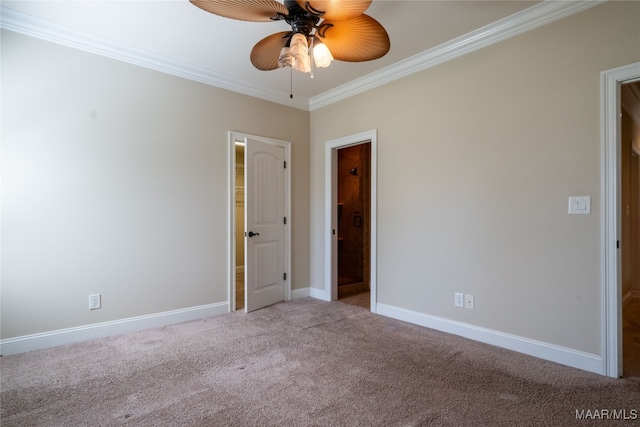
point(94, 301)
point(458, 299)
point(468, 301)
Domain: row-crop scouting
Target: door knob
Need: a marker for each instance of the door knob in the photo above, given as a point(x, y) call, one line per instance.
point(251, 234)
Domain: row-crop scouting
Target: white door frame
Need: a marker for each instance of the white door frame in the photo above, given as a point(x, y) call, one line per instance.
point(231, 219)
point(330, 215)
point(610, 82)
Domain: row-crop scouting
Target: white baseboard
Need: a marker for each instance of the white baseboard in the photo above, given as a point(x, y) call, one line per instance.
point(565, 356)
point(100, 330)
point(318, 294)
point(309, 292)
point(300, 293)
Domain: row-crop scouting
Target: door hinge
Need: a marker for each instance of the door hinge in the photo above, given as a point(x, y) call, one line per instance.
point(285, 164)
point(618, 244)
point(285, 220)
point(284, 276)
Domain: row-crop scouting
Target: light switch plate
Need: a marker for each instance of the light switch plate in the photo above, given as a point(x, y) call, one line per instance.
point(95, 301)
point(468, 301)
point(458, 299)
point(580, 205)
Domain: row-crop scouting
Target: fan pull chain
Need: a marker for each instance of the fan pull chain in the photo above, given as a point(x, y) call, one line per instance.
point(291, 83)
point(313, 39)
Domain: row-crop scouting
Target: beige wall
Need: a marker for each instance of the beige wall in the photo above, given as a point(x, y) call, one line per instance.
point(476, 160)
point(114, 181)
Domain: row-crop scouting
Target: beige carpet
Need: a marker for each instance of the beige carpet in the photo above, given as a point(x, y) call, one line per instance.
point(301, 363)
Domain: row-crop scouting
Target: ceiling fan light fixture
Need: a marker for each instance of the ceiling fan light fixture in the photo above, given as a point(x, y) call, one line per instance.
point(300, 53)
point(285, 59)
point(339, 28)
point(321, 54)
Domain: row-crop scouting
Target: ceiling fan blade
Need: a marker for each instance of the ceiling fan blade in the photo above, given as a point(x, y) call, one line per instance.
point(264, 55)
point(356, 40)
point(337, 10)
point(244, 10)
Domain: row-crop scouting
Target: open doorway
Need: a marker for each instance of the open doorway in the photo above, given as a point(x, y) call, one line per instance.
point(630, 226)
point(239, 232)
point(611, 83)
point(359, 263)
point(353, 217)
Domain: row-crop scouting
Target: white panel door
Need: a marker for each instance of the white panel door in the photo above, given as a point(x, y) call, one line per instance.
point(264, 224)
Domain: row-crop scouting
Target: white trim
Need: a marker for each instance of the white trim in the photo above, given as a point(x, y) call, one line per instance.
point(330, 241)
point(533, 17)
point(554, 353)
point(610, 82)
point(300, 293)
point(231, 220)
point(319, 294)
point(105, 329)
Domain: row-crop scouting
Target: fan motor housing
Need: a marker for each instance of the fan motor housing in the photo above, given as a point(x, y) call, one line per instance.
point(301, 21)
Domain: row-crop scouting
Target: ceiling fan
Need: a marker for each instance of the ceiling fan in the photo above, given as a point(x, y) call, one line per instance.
point(331, 29)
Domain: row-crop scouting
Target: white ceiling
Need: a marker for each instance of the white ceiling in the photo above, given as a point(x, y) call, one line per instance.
point(184, 36)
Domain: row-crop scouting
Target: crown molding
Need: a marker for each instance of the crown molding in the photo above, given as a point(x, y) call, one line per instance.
point(528, 19)
point(49, 31)
point(533, 17)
